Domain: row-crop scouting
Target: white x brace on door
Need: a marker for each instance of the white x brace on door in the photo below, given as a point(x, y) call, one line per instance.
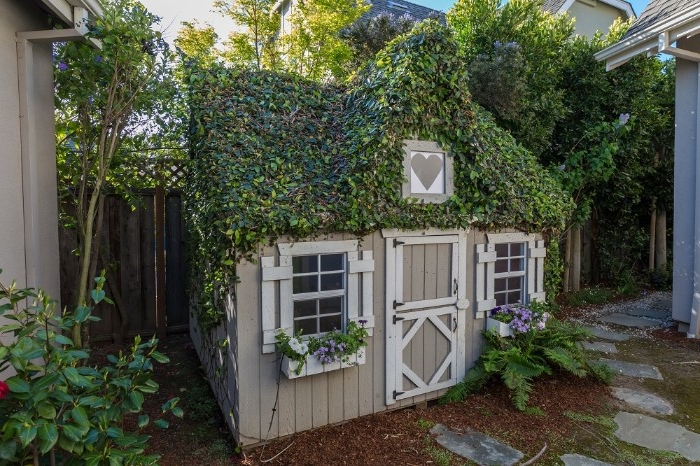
point(426, 307)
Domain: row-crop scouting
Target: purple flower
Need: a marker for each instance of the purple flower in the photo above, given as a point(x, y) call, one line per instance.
point(624, 118)
point(62, 66)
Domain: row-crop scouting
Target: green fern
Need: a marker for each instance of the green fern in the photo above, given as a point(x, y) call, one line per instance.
point(566, 360)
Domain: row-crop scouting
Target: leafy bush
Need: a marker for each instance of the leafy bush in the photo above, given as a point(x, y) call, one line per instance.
point(59, 410)
point(519, 359)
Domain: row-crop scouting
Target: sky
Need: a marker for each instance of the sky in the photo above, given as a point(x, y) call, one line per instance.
point(173, 12)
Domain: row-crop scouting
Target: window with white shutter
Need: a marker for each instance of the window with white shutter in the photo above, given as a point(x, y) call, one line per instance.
point(316, 287)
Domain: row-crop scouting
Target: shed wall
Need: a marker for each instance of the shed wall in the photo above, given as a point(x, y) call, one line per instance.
point(590, 19)
point(332, 397)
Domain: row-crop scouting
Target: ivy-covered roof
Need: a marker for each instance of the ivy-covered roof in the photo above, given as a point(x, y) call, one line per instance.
point(275, 155)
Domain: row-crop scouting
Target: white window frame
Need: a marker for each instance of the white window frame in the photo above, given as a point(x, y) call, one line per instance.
point(411, 146)
point(486, 257)
point(277, 296)
point(522, 273)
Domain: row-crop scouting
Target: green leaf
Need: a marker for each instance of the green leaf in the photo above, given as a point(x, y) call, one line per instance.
point(47, 411)
point(17, 385)
point(62, 340)
point(161, 424)
point(8, 449)
point(143, 421)
point(26, 435)
point(48, 436)
point(177, 412)
point(160, 357)
point(80, 417)
point(97, 295)
point(81, 314)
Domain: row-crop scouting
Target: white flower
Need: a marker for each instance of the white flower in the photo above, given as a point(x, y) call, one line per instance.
point(299, 347)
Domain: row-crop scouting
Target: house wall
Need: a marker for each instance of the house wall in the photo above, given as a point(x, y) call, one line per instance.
point(29, 224)
point(685, 232)
point(331, 397)
point(592, 16)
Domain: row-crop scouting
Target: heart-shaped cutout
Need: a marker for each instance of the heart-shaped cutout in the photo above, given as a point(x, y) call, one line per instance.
point(427, 168)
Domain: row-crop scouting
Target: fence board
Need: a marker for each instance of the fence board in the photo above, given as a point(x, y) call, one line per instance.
point(128, 254)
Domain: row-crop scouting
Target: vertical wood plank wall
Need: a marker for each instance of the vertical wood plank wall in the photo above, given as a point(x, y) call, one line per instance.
point(332, 397)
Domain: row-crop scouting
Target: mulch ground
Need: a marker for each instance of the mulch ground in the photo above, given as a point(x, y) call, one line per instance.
point(393, 438)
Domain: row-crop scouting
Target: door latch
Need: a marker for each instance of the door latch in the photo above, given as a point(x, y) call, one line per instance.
point(455, 287)
point(454, 324)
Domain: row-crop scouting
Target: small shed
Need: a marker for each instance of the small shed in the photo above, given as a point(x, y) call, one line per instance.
point(395, 202)
point(671, 27)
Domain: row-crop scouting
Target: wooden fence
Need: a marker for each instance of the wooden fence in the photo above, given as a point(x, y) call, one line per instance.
point(136, 268)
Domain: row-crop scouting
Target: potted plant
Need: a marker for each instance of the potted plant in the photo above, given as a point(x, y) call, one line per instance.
point(334, 350)
point(516, 318)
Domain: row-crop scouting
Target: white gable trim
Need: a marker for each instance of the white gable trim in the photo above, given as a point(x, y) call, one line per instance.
point(619, 4)
point(685, 23)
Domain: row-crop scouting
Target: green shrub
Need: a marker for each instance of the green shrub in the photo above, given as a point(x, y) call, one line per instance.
point(520, 358)
point(58, 410)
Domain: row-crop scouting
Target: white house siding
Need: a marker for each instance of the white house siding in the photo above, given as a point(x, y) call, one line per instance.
point(685, 183)
point(28, 211)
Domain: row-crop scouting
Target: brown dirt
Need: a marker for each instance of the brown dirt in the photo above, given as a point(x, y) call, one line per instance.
point(395, 438)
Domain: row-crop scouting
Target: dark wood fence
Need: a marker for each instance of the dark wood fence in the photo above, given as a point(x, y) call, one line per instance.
point(136, 268)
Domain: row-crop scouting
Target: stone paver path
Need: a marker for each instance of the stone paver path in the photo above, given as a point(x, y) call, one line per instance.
point(643, 400)
point(633, 370)
point(477, 447)
point(608, 334)
point(600, 346)
point(655, 434)
point(630, 321)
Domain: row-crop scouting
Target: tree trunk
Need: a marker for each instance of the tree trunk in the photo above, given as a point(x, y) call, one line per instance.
point(652, 236)
point(567, 263)
point(576, 258)
point(660, 256)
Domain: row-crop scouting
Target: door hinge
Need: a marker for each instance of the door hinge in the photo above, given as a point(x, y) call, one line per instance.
point(397, 394)
point(397, 304)
point(397, 318)
point(397, 242)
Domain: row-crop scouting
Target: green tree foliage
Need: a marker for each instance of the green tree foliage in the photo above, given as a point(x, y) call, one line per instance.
point(60, 409)
point(111, 104)
point(639, 161)
point(484, 28)
point(252, 43)
point(370, 34)
point(278, 155)
point(313, 49)
point(197, 42)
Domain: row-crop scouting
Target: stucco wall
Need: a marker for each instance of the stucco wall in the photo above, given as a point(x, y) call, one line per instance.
point(28, 227)
point(685, 182)
point(590, 19)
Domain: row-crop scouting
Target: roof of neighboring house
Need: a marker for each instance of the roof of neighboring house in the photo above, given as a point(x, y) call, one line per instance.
point(669, 20)
point(560, 6)
point(401, 7)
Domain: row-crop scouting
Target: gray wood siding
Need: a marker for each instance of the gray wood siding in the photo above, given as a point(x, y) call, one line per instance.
point(332, 397)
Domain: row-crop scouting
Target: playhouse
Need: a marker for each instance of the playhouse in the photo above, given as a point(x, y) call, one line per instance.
point(395, 202)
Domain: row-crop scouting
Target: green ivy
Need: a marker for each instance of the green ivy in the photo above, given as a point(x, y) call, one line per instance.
point(275, 155)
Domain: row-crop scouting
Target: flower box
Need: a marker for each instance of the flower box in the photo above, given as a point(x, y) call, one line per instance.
point(499, 327)
point(313, 365)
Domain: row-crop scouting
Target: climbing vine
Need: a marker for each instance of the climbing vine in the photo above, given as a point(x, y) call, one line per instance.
point(275, 155)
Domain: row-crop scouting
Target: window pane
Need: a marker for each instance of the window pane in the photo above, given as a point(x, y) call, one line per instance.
point(330, 306)
point(500, 299)
point(499, 284)
point(517, 249)
point(332, 281)
point(306, 326)
point(305, 264)
point(515, 283)
point(514, 297)
point(304, 308)
point(305, 284)
point(330, 323)
point(332, 262)
point(502, 250)
point(516, 265)
point(501, 266)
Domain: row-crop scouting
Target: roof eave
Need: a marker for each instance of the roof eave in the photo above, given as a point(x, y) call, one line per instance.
point(683, 24)
point(63, 9)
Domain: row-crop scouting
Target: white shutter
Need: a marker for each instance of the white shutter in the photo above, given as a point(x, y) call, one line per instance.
point(360, 279)
point(271, 276)
point(485, 264)
point(535, 271)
